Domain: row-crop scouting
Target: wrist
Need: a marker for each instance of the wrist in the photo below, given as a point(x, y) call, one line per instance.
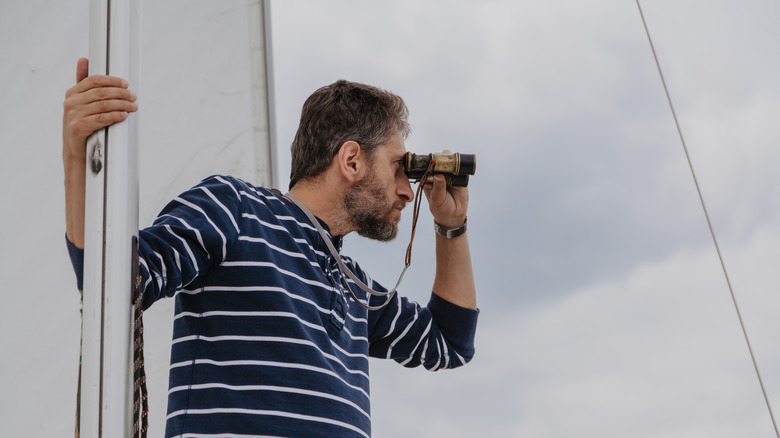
point(450, 222)
point(68, 156)
point(70, 160)
point(75, 170)
point(450, 232)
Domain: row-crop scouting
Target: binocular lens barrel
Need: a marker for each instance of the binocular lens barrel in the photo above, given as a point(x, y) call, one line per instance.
point(456, 167)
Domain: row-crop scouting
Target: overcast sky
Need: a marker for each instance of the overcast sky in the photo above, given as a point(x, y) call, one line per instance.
point(604, 310)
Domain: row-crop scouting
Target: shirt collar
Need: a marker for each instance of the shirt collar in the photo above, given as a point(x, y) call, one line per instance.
point(311, 233)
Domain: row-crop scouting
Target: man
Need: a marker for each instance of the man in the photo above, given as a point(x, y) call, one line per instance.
point(267, 340)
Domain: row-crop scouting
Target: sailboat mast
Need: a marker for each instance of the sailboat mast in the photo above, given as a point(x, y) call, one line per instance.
point(261, 77)
point(111, 226)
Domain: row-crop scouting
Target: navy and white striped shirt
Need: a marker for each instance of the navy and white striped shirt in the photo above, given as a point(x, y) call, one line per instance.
point(266, 341)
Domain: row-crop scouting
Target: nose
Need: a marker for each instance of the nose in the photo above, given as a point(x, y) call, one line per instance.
point(404, 188)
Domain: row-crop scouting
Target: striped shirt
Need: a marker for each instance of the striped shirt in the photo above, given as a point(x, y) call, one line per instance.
point(266, 341)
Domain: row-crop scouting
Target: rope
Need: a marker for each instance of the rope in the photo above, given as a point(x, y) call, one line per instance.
point(140, 394)
point(709, 222)
point(77, 430)
point(140, 398)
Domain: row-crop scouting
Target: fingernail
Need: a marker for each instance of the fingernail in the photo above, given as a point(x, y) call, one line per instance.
point(132, 95)
point(125, 84)
point(124, 114)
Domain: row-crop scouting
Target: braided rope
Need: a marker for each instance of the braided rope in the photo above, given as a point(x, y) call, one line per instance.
point(77, 430)
point(140, 394)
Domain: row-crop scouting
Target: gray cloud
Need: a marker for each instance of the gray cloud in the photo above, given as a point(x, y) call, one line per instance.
point(603, 309)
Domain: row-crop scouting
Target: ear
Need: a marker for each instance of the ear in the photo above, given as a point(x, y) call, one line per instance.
point(350, 161)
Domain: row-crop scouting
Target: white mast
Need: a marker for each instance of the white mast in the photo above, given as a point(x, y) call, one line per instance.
point(111, 223)
point(261, 77)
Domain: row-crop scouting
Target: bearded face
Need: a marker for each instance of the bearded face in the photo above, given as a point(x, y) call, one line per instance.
point(370, 209)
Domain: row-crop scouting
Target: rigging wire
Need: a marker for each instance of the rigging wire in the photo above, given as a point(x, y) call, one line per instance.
point(709, 222)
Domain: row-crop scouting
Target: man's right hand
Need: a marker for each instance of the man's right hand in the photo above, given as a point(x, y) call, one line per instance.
point(92, 104)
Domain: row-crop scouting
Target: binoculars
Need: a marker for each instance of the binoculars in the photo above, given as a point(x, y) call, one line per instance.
point(456, 167)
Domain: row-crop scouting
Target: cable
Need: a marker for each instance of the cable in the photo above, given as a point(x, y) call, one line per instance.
point(709, 222)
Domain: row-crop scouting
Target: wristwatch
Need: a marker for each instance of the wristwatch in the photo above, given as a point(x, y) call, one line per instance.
point(450, 233)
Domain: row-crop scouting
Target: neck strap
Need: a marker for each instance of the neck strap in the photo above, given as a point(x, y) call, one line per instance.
point(345, 271)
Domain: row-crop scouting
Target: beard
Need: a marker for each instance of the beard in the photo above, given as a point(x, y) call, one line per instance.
point(369, 210)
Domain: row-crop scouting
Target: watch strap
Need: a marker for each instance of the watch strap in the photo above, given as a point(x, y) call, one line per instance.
point(450, 233)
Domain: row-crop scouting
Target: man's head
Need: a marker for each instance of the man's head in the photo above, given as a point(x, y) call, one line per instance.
point(373, 204)
point(341, 112)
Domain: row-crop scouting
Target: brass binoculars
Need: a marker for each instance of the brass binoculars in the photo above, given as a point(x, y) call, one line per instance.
point(456, 167)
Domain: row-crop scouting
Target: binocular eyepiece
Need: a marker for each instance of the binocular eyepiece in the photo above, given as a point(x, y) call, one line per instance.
point(456, 167)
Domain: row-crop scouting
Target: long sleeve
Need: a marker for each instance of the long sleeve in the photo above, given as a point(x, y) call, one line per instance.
point(438, 336)
point(77, 260)
point(190, 236)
